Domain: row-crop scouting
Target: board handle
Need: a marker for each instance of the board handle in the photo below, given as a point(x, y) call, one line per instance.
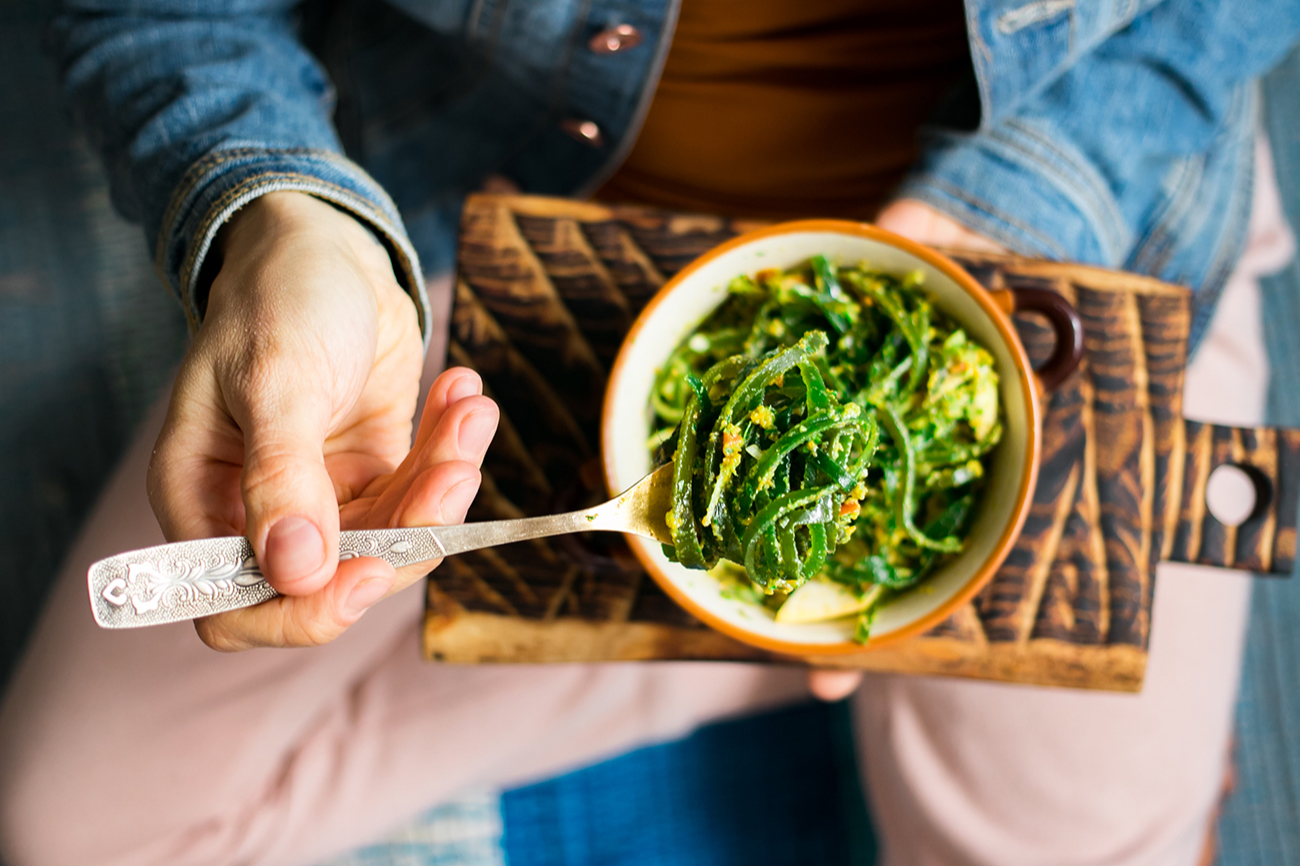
point(1265, 542)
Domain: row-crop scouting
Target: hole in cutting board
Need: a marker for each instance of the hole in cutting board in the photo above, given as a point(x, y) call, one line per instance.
point(1236, 493)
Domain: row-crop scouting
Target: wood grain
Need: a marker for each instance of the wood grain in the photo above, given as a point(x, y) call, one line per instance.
point(1255, 537)
point(1122, 433)
point(509, 280)
point(548, 287)
point(1265, 542)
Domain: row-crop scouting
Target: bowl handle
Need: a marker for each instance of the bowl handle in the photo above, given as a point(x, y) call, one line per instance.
point(1064, 320)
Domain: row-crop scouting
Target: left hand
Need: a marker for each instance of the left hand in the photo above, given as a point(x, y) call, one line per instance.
point(919, 222)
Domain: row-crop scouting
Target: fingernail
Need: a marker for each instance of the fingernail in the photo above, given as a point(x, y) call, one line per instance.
point(476, 431)
point(365, 594)
point(456, 501)
point(294, 549)
point(466, 385)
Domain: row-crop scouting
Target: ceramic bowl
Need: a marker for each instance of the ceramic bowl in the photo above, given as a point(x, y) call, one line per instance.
point(701, 286)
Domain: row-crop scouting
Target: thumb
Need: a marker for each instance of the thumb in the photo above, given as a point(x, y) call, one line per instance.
point(291, 511)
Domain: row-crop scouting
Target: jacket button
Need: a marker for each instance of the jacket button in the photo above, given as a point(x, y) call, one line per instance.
point(618, 38)
point(583, 130)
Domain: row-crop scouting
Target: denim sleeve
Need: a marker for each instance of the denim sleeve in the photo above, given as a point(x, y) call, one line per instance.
point(1137, 156)
point(200, 106)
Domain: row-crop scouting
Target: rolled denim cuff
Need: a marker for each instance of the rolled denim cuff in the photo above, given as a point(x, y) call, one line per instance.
point(222, 182)
point(1027, 189)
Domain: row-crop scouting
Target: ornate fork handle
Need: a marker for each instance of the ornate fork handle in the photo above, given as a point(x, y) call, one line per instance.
point(190, 579)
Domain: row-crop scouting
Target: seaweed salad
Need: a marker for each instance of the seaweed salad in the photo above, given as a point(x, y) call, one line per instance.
point(828, 430)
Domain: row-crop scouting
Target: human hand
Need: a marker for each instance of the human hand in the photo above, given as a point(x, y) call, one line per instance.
point(919, 222)
point(292, 411)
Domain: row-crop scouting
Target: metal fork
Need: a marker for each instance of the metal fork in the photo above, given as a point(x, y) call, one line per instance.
point(191, 579)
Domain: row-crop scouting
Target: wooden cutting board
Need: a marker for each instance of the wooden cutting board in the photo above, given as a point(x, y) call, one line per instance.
point(545, 292)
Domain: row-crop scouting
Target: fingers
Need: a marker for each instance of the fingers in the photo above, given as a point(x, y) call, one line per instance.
point(450, 387)
point(925, 224)
point(284, 483)
point(305, 620)
point(833, 685)
point(464, 432)
point(461, 432)
point(908, 218)
point(439, 496)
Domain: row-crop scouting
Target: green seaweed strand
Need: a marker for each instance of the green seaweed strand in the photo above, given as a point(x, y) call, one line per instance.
point(904, 506)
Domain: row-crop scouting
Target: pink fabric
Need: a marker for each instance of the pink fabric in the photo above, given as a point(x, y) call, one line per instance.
point(147, 748)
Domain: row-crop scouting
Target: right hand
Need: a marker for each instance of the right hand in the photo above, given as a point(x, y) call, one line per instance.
point(295, 400)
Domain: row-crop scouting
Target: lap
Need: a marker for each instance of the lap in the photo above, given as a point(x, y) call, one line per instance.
point(972, 773)
point(145, 746)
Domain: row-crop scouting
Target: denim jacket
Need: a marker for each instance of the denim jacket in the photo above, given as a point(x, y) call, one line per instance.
point(1113, 132)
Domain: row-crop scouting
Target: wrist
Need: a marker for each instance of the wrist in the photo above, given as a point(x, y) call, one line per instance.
point(284, 214)
point(294, 224)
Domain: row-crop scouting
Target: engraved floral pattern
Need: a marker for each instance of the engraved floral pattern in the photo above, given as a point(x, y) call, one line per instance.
point(198, 578)
point(166, 582)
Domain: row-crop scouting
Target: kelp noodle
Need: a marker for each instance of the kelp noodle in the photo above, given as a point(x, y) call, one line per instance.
point(825, 421)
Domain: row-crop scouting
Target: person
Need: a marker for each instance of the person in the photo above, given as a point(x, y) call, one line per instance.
point(1122, 136)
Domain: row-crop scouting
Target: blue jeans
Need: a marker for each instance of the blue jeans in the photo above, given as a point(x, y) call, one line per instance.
point(1260, 824)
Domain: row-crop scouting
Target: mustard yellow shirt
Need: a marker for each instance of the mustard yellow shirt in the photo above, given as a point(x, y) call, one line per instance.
point(792, 108)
